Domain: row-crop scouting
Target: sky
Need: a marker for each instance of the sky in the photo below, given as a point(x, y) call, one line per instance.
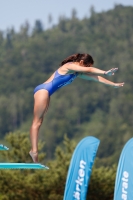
point(15, 13)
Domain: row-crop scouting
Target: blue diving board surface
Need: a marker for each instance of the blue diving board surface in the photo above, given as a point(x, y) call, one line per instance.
point(22, 166)
point(2, 147)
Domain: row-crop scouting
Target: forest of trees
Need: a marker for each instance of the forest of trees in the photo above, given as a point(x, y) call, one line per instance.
point(81, 109)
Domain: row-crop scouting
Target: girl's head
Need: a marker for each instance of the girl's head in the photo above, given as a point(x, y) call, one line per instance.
point(85, 58)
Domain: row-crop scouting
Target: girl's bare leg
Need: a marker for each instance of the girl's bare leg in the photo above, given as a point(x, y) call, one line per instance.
point(41, 104)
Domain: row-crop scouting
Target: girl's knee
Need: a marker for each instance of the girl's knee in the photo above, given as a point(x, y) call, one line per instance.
point(37, 123)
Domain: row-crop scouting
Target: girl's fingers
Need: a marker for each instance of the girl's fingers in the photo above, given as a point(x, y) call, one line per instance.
point(111, 71)
point(119, 85)
point(114, 69)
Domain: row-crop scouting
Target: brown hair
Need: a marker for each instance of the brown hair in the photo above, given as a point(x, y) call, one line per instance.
point(87, 59)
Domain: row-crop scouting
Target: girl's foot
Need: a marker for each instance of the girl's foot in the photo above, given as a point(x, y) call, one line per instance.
point(34, 156)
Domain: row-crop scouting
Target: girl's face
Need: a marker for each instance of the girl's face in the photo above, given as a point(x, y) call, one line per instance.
point(90, 65)
point(81, 64)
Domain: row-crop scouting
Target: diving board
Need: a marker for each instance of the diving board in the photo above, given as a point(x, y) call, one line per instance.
point(22, 166)
point(2, 147)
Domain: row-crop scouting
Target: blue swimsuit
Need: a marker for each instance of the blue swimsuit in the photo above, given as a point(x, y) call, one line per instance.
point(57, 82)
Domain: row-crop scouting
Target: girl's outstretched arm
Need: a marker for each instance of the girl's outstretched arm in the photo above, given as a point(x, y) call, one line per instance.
point(96, 71)
point(77, 68)
point(100, 80)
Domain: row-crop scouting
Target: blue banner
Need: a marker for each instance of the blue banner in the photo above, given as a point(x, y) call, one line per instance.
point(124, 176)
point(80, 169)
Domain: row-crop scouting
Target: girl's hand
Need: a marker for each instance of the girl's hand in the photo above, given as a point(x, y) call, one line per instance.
point(117, 85)
point(111, 72)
